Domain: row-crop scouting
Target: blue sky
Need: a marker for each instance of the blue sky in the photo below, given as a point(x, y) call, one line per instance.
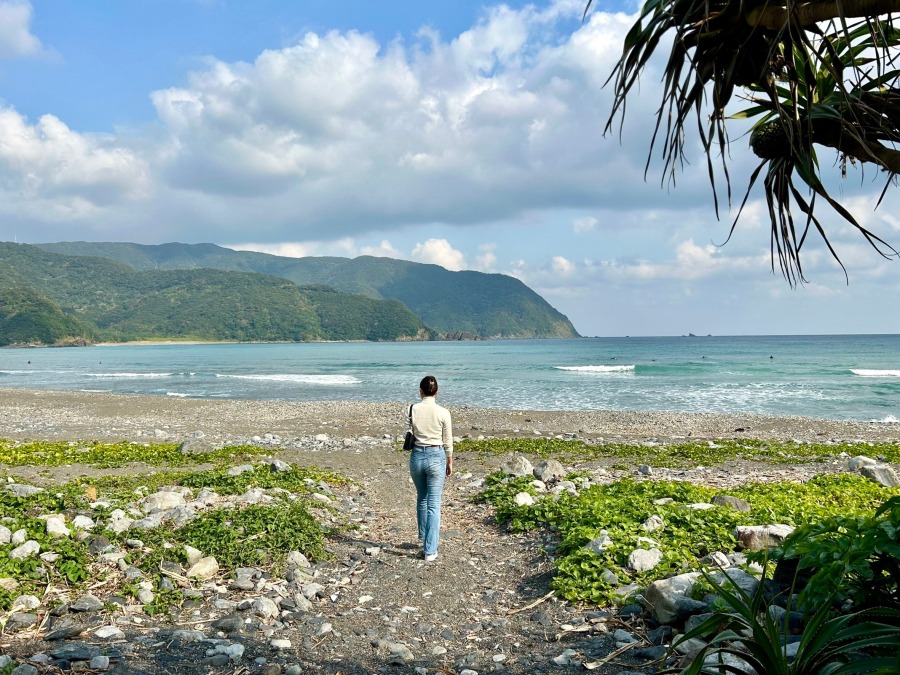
point(465, 134)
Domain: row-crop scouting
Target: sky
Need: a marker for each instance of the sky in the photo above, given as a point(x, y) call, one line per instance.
point(464, 134)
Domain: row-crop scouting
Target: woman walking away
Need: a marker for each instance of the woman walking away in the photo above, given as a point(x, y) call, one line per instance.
point(430, 462)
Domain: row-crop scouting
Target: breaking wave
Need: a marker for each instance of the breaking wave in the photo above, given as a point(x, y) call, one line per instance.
point(334, 380)
point(596, 369)
point(862, 372)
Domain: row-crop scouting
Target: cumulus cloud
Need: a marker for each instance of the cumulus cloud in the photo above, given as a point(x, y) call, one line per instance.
point(562, 266)
point(49, 172)
point(486, 260)
point(16, 39)
point(586, 224)
point(439, 252)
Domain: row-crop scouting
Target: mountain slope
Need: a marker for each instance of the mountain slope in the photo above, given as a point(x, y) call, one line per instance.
point(206, 304)
point(486, 305)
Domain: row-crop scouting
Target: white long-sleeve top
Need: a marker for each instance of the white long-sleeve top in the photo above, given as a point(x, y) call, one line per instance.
point(431, 424)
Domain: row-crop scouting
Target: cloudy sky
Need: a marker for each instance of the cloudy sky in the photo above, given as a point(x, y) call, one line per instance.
point(460, 133)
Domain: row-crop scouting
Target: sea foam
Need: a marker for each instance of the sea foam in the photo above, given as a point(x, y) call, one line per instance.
point(130, 375)
point(862, 372)
point(300, 379)
point(596, 369)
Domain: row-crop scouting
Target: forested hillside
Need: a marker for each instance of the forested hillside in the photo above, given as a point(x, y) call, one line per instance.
point(50, 298)
point(451, 303)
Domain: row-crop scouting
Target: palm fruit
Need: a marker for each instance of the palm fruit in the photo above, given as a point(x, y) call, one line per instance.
point(770, 141)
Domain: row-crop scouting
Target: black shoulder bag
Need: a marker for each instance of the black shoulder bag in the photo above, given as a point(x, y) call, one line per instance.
point(409, 441)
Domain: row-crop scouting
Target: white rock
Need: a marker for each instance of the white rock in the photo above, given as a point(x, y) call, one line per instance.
point(757, 537)
point(653, 523)
point(566, 658)
point(162, 501)
point(5, 535)
point(83, 523)
point(701, 506)
point(297, 559)
point(25, 603)
point(19, 537)
point(324, 629)
point(280, 644)
point(203, 569)
point(26, 550)
point(193, 555)
point(524, 499)
point(265, 608)
point(56, 526)
point(860, 461)
point(109, 633)
point(643, 560)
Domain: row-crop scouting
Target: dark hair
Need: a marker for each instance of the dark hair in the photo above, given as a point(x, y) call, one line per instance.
point(428, 385)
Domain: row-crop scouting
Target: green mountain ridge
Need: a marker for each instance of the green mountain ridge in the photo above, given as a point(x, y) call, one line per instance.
point(49, 298)
point(474, 304)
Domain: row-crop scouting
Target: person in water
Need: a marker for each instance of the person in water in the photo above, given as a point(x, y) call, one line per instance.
point(430, 463)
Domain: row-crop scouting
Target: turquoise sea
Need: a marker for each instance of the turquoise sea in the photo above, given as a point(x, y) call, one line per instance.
point(833, 377)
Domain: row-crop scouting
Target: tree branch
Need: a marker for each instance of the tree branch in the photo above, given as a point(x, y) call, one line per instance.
point(808, 13)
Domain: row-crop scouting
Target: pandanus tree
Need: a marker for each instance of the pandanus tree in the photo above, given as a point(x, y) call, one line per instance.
point(815, 77)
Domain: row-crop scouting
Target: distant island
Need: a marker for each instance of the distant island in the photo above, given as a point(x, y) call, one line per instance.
point(78, 293)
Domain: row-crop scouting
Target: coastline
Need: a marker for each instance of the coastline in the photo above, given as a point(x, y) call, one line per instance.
point(50, 414)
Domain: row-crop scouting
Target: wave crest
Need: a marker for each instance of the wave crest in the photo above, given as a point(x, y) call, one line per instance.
point(863, 372)
point(300, 379)
point(596, 369)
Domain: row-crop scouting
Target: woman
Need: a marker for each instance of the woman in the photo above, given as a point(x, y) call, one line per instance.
point(430, 462)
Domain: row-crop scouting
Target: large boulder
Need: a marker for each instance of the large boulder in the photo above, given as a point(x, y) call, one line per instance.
point(549, 470)
point(517, 465)
point(883, 474)
point(758, 537)
point(670, 599)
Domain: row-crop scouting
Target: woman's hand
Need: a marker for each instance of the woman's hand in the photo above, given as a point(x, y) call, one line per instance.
point(450, 465)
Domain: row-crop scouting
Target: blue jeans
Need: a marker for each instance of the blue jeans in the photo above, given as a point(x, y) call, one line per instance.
point(428, 468)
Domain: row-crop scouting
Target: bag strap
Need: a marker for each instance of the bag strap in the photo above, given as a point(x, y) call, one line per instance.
point(410, 416)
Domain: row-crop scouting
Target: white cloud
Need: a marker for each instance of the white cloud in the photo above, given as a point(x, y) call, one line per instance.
point(486, 260)
point(49, 172)
point(16, 39)
point(384, 249)
point(439, 252)
point(586, 224)
point(562, 266)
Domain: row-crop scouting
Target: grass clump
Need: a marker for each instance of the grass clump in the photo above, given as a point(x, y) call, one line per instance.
point(622, 507)
point(681, 455)
point(109, 455)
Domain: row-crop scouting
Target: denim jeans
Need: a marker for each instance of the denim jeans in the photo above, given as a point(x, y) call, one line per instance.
point(428, 468)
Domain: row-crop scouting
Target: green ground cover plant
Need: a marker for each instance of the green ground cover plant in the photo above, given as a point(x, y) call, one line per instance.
point(109, 455)
point(622, 507)
point(254, 535)
point(681, 455)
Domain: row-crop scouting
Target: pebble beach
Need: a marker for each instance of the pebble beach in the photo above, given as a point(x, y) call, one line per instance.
point(46, 414)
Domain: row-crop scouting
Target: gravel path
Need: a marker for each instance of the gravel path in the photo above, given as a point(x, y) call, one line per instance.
point(483, 606)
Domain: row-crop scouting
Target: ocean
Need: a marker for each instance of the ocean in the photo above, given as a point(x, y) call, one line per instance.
point(855, 377)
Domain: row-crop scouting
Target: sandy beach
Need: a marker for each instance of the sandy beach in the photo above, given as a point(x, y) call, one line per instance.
point(44, 414)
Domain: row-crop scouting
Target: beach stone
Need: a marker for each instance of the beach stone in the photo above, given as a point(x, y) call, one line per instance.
point(567, 658)
point(734, 662)
point(5, 535)
point(734, 502)
point(56, 526)
point(860, 461)
point(24, 669)
point(645, 469)
point(653, 523)
point(63, 629)
point(20, 490)
point(883, 474)
point(265, 608)
point(297, 559)
point(27, 550)
point(278, 466)
point(312, 590)
point(25, 603)
point(716, 559)
point(9, 584)
point(644, 560)
point(669, 599)
point(737, 577)
point(758, 537)
point(99, 662)
point(74, 651)
point(86, 603)
point(524, 499)
point(162, 501)
point(20, 620)
point(83, 523)
point(151, 521)
point(598, 544)
point(196, 445)
point(280, 644)
point(517, 465)
point(203, 569)
point(548, 470)
point(109, 633)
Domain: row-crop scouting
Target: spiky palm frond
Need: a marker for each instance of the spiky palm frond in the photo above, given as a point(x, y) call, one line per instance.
point(831, 81)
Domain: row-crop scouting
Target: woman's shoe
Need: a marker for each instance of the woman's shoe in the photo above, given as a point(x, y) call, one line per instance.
point(431, 557)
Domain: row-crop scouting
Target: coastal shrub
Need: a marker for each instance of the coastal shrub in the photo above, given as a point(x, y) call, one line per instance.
point(681, 455)
point(850, 557)
point(621, 508)
point(742, 636)
point(108, 455)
